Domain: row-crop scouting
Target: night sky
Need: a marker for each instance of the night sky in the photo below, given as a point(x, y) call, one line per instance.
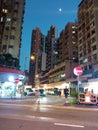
point(43, 14)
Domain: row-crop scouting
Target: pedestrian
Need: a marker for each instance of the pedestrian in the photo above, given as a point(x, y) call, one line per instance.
point(37, 96)
point(59, 93)
point(66, 92)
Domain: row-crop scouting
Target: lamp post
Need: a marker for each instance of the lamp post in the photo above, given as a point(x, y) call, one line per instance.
point(25, 63)
point(37, 82)
point(78, 71)
point(32, 58)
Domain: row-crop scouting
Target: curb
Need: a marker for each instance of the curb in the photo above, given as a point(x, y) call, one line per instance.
point(59, 105)
point(56, 106)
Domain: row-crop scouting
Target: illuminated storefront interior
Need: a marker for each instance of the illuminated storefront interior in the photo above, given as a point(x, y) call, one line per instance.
point(11, 83)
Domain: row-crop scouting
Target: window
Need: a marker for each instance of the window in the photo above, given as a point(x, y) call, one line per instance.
point(10, 46)
point(93, 31)
point(89, 58)
point(85, 67)
point(91, 17)
point(80, 54)
point(12, 37)
point(90, 67)
point(7, 28)
point(93, 39)
point(1, 19)
point(88, 36)
point(8, 19)
point(13, 28)
point(4, 11)
point(94, 58)
point(4, 46)
point(94, 47)
point(92, 24)
point(6, 37)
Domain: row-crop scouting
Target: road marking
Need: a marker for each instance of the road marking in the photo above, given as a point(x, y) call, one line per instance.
point(60, 124)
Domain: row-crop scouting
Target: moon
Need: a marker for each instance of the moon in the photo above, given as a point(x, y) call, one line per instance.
point(60, 10)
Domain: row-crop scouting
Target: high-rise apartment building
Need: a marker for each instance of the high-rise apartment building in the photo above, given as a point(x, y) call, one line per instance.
point(37, 49)
point(67, 49)
point(11, 19)
point(88, 37)
point(51, 42)
point(50, 47)
point(68, 46)
point(61, 51)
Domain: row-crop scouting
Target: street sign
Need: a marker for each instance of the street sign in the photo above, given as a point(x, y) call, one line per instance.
point(17, 80)
point(78, 71)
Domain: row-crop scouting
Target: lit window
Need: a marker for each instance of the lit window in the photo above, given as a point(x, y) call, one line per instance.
point(73, 26)
point(8, 19)
point(73, 32)
point(73, 43)
point(4, 11)
point(1, 19)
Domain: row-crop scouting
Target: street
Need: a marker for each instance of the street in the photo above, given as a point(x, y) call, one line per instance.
point(50, 113)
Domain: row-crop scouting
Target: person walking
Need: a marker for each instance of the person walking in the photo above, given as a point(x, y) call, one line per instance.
point(59, 93)
point(37, 96)
point(66, 92)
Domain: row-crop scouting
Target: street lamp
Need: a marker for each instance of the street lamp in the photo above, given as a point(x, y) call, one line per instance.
point(32, 57)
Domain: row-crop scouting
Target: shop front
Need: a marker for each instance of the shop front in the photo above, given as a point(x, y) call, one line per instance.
point(11, 83)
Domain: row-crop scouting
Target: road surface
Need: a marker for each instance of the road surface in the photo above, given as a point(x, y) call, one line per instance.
point(36, 115)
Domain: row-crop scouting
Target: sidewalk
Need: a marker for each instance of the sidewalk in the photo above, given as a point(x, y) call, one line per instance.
point(75, 106)
point(57, 103)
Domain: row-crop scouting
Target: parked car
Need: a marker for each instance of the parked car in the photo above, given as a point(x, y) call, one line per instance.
point(41, 92)
point(29, 92)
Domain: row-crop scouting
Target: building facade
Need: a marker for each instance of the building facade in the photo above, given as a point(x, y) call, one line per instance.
point(37, 49)
point(66, 52)
point(11, 19)
point(77, 45)
point(88, 37)
point(68, 46)
point(50, 47)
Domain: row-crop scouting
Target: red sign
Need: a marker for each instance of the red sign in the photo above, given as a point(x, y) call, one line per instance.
point(78, 71)
point(16, 80)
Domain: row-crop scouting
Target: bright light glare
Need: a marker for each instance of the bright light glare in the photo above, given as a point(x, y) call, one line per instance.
point(8, 84)
point(60, 10)
point(11, 78)
point(92, 86)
